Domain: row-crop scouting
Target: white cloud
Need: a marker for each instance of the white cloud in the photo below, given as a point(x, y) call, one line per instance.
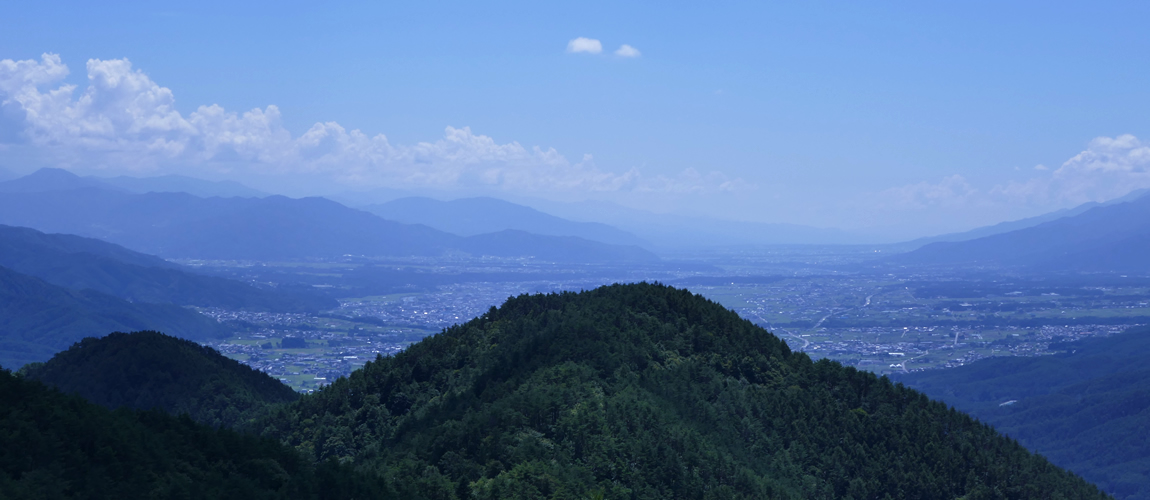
point(627, 51)
point(1107, 169)
point(124, 121)
point(589, 45)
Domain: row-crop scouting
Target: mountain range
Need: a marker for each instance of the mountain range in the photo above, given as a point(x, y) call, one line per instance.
point(55, 179)
point(681, 232)
point(38, 319)
point(1104, 238)
point(1008, 226)
point(86, 263)
point(180, 225)
point(473, 216)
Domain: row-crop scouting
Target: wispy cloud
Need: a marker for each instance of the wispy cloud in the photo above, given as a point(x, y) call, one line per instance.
point(588, 45)
point(123, 120)
point(1108, 168)
point(627, 51)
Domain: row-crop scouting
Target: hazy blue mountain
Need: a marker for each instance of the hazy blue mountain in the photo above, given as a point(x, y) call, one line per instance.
point(1086, 409)
point(51, 179)
point(680, 232)
point(183, 184)
point(180, 225)
point(1006, 227)
point(370, 196)
point(1110, 238)
point(38, 319)
point(472, 216)
point(150, 370)
point(86, 263)
point(6, 174)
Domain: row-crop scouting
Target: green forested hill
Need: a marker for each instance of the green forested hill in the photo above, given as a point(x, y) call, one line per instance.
point(38, 319)
point(150, 370)
point(57, 446)
point(1086, 409)
point(644, 392)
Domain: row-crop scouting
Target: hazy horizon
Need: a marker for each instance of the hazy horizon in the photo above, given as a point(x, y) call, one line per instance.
point(895, 122)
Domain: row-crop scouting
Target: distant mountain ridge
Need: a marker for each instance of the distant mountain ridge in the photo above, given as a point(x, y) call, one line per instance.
point(58, 179)
point(1006, 227)
point(1107, 238)
point(681, 232)
point(182, 184)
point(474, 216)
point(85, 263)
point(180, 225)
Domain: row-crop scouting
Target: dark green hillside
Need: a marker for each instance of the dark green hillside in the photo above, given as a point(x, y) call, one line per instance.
point(57, 446)
point(86, 263)
point(150, 370)
point(642, 392)
point(1087, 409)
point(38, 319)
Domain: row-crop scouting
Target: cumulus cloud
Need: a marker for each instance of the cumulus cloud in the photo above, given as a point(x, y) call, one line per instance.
point(588, 45)
point(627, 51)
point(125, 119)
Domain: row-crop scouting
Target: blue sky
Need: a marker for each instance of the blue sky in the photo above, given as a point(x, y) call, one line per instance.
point(894, 118)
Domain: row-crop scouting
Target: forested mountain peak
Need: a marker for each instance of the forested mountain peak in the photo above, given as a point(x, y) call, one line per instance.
point(646, 391)
point(149, 370)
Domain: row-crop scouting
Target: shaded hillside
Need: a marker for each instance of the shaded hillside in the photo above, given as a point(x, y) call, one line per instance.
point(1086, 409)
point(86, 263)
point(645, 391)
point(38, 319)
point(473, 216)
point(179, 225)
point(56, 446)
point(150, 370)
point(1111, 238)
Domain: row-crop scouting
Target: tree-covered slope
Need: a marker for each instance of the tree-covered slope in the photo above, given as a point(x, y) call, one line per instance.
point(86, 263)
point(1087, 409)
point(57, 446)
point(150, 370)
point(645, 391)
point(38, 319)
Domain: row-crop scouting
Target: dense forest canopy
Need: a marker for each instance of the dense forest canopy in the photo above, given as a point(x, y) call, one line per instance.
point(1086, 409)
point(645, 391)
point(56, 446)
point(149, 370)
